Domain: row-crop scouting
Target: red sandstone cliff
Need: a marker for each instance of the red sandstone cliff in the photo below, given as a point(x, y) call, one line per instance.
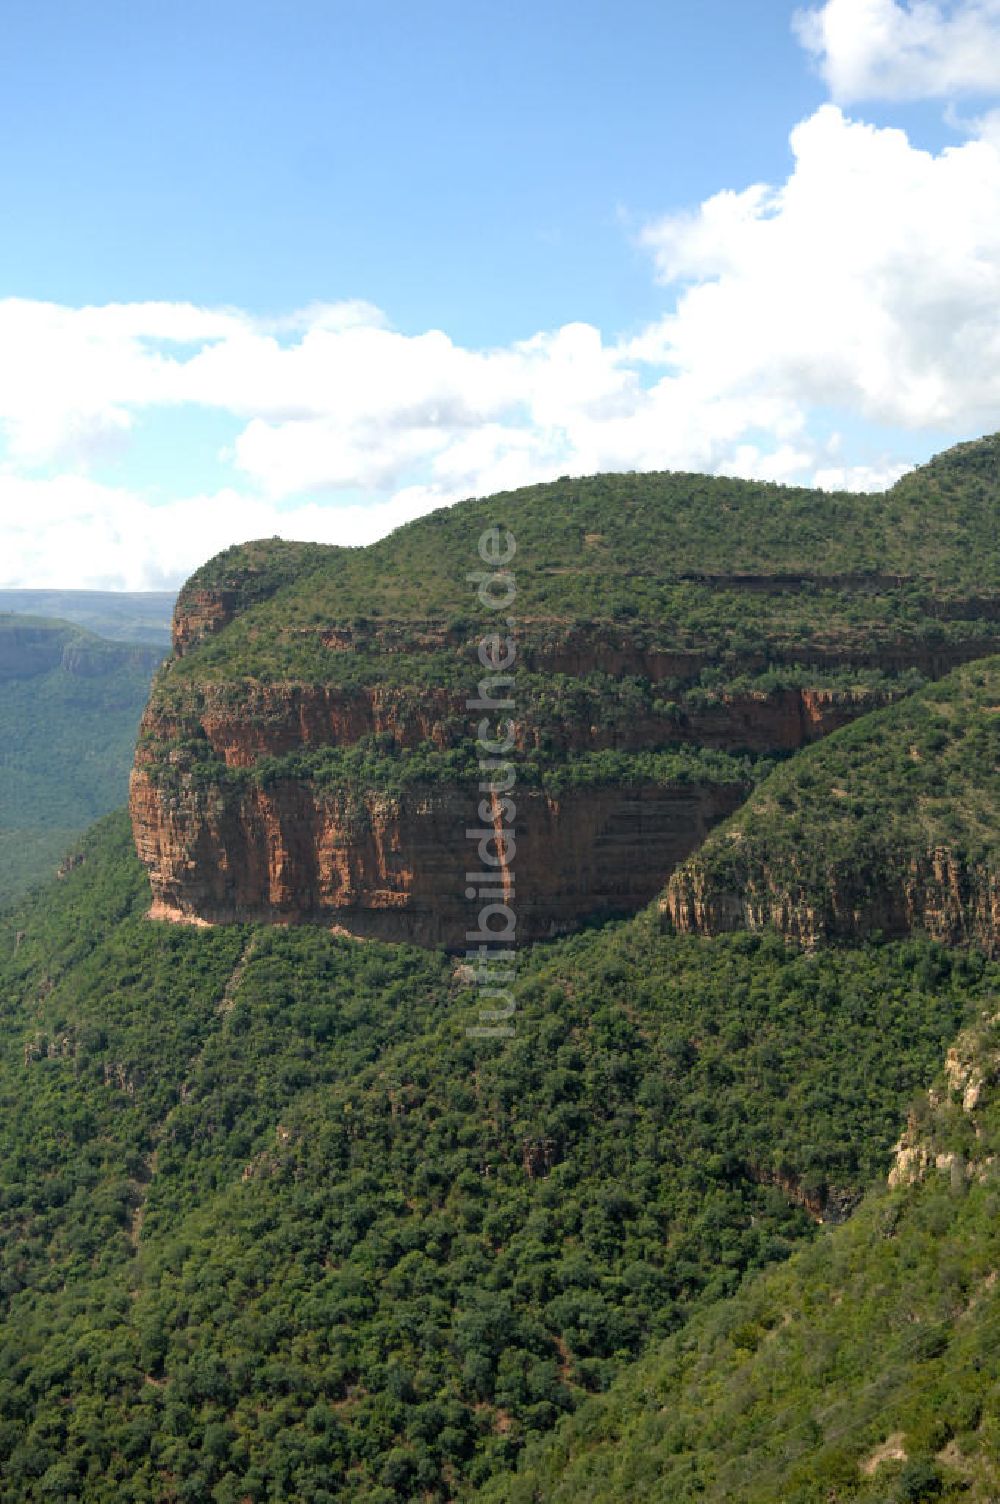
point(269, 720)
point(394, 867)
point(937, 892)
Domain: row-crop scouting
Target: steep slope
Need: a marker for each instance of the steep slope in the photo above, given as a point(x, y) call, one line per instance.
point(272, 1227)
point(866, 1369)
point(308, 752)
point(70, 704)
point(892, 826)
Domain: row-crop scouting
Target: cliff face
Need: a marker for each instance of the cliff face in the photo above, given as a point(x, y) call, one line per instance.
point(577, 648)
point(938, 892)
point(275, 719)
point(204, 613)
point(393, 867)
point(954, 1130)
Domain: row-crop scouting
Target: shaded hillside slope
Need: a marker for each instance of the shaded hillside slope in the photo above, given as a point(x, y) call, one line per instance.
point(891, 826)
point(273, 1227)
point(865, 1370)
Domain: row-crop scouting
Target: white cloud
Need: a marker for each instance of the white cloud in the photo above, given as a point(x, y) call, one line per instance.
point(858, 477)
point(881, 49)
point(866, 286)
point(71, 532)
point(869, 281)
point(330, 400)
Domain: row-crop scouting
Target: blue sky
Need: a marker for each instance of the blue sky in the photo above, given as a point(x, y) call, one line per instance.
point(473, 167)
point(335, 182)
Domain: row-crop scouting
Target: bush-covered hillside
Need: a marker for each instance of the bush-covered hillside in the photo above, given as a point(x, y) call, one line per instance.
point(730, 566)
point(70, 704)
point(274, 1228)
point(865, 1370)
point(892, 823)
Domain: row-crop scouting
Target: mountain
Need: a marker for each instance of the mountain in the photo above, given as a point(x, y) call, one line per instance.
point(118, 615)
point(70, 704)
point(715, 1217)
point(308, 751)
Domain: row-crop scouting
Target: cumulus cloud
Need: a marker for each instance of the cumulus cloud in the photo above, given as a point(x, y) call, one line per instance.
point(869, 281)
point(881, 49)
point(70, 531)
point(328, 401)
point(867, 285)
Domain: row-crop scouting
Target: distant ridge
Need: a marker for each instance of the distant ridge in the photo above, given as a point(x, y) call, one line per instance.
point(121, 616)
point(70, 703)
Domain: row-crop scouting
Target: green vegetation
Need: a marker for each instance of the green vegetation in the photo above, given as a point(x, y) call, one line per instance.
point(373, 765)
point(898, 790)
point(273, 1227)
point(866, 1369)
point(248, 573)
point(30, 856)
point(935, 525)
point(552, 702)
point(643, 602)
point(789, 569)
point(69, 708)
point(117, 615)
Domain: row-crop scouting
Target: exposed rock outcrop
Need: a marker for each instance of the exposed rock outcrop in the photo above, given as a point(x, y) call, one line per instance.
point(938, 892)
point(242, 724)
point(306, 754)
point(393, 867)
point(949, 1131)
point(888, 829)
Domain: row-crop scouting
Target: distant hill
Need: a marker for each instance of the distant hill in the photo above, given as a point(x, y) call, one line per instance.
point(120, 616)
point(70, 704)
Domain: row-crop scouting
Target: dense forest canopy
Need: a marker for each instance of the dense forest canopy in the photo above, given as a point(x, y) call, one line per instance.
point(273, 1226)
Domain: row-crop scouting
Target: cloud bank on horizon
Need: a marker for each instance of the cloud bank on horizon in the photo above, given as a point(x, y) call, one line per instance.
point(865, 288)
